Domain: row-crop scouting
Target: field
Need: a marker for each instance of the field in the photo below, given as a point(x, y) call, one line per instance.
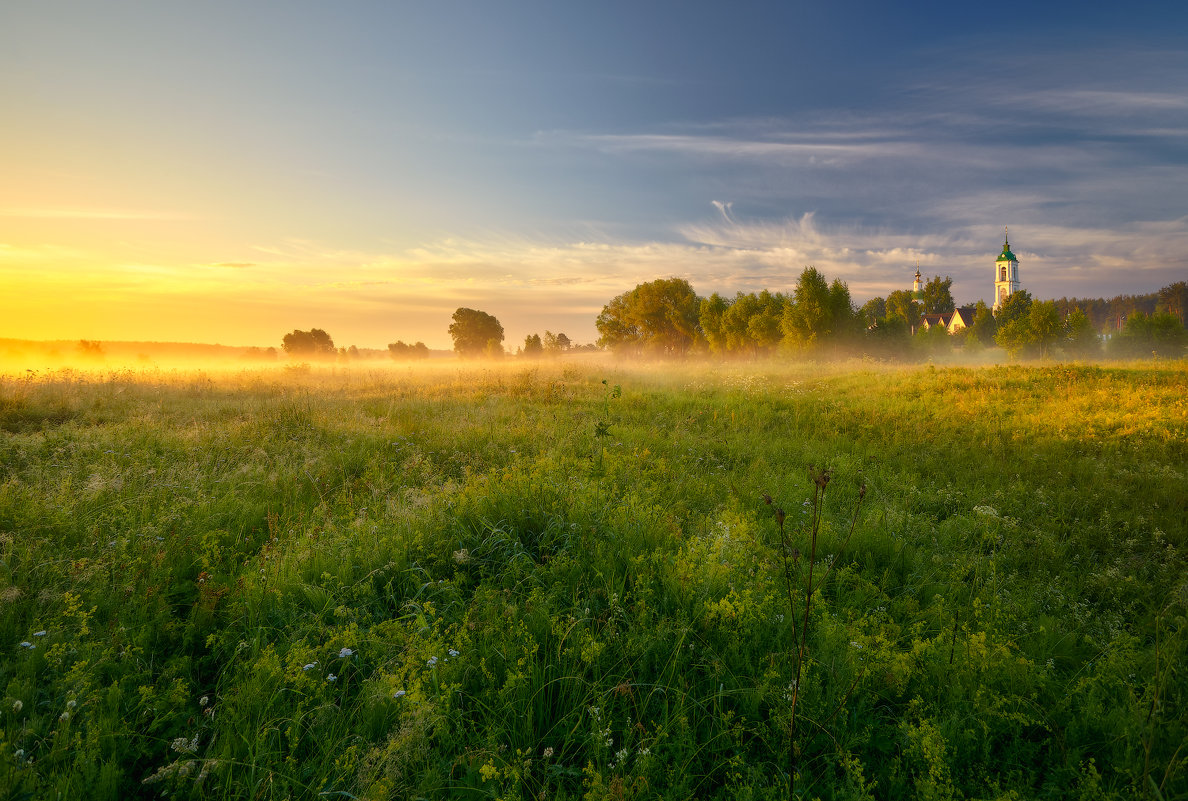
point(567, 581)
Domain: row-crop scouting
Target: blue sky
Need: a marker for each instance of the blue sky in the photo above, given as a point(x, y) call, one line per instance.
point(231, 171)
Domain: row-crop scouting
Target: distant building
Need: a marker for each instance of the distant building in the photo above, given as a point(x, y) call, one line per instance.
point(1006, 274)
point(962, 318)
point(1006, 283)
point(930, 320)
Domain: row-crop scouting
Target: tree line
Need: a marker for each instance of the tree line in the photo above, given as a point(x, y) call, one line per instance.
point(666, 317)
point(317, 345)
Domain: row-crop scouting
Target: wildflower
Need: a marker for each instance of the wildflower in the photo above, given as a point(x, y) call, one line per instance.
point(310, 666)
point(462, 556)
point(71, 704)
point(344, 653)
point(39, 633)
point(332, 677)
point(204, 700)
point(431, 661)
point(28, 645)
point(64, 716)
point(184, 746)
point(548, 752)
point(399, 694)
point(453, 652)
point(18, 705)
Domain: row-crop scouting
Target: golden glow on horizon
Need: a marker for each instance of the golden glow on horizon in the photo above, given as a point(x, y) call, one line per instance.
point(118, 275)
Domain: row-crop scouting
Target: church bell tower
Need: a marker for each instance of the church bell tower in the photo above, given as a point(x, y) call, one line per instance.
point(1006, 274)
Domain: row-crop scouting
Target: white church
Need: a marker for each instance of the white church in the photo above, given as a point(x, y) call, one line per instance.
point(1006, 274)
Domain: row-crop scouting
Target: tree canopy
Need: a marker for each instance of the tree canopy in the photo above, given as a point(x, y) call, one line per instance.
point(401, 351)
point(902, 306)
point(658, 317)
point(476, 333)
point(1160, 334)
point(938, 295)
point(314, 344)
point(533, 346)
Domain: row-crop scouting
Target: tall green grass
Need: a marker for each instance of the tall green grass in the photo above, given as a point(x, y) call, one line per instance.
point(520, 583)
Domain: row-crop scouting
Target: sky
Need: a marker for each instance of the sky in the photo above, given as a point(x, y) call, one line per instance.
point(228, 172)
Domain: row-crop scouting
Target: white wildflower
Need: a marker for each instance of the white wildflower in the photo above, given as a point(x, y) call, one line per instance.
point(453, 652)
point(344, 653)
point(27, 644)
point(204, 700)
point(399, 694)
point(18, 705)
point(64, 716)
point(332, 677)
point(431, 661)
point(310, 666)
point(39, 633)
point(183, 746)
point(71, 704)
point(548, 752)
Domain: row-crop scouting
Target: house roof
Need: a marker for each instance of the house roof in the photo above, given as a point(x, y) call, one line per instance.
point(966, 314)
point(929, 320)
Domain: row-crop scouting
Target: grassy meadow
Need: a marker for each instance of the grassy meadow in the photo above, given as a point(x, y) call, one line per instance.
point(564, 580)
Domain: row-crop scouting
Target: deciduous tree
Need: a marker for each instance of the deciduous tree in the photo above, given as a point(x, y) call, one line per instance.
point(402, 352)
point(533, 348)
point(1044, 323)
point(658, 317)
point(1080, 339)
point(938, 295)
point(312, 344)
point(901, 305)
point(476, 333)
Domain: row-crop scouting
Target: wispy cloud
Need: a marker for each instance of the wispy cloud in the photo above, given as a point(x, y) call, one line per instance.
point(821, 151)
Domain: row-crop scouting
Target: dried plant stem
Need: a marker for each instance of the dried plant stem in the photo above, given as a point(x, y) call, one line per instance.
point(820, 481)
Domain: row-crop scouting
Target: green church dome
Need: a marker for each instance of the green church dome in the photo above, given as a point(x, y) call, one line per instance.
point(1006, 250)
